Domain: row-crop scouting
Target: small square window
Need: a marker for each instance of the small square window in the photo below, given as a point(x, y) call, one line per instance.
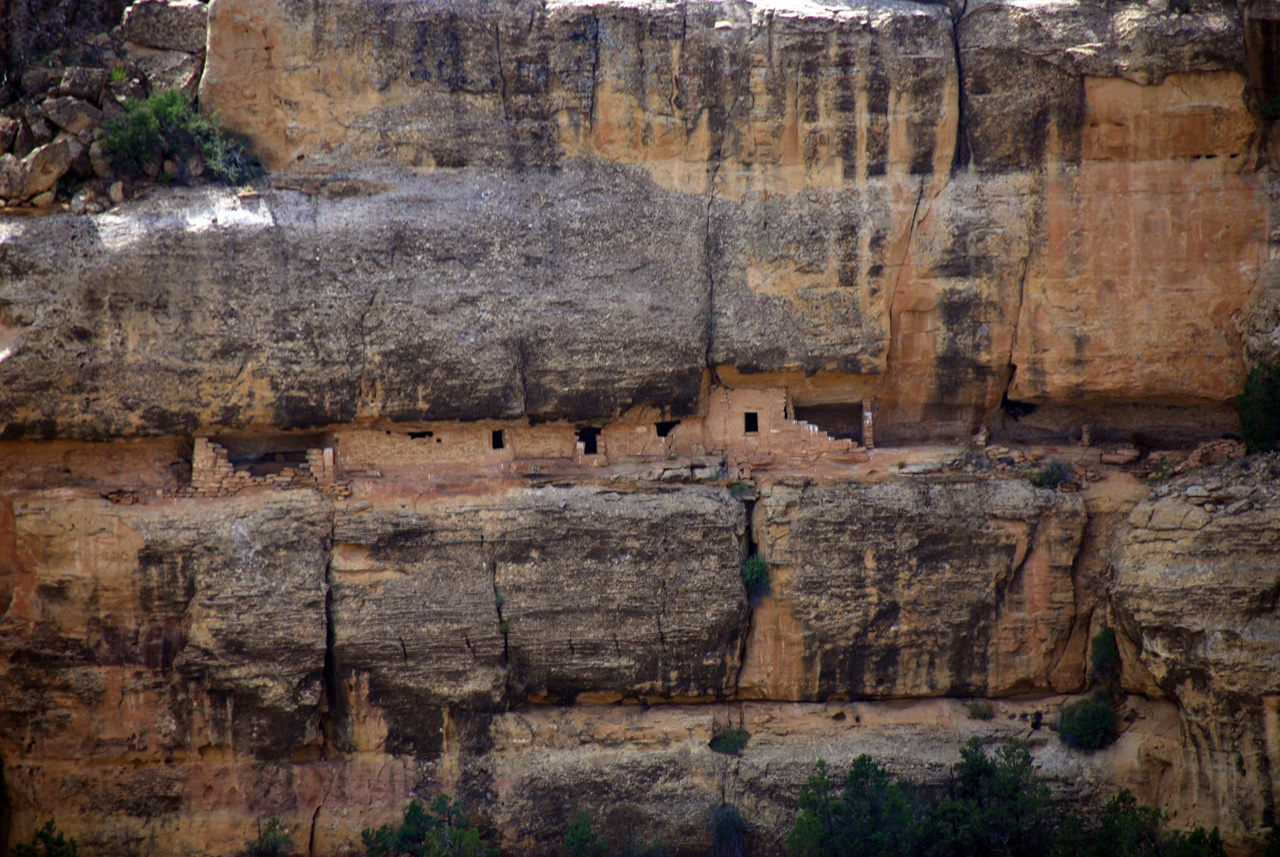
point(498, 442)
point(751, 422)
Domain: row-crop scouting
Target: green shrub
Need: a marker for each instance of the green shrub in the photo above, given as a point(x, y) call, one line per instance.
point(118, 74)
point(1129, 829)
point(1272, 848)
point(166, 125)
point(581, 839)
point(869, 814)
point(755, 576)
point(274, 840)
point(1163, 470)
point(729, 740)
point(1260, 408)
point(1050, 476)
point(642, 846)
point(1104, 655)
point(995, 804)
point(1196, 842)
point(47, 842)
point(742, 488)
point(1269, 108)
point(439, 831)
point(728, 831)
point(980, 709)
point(1088, 724)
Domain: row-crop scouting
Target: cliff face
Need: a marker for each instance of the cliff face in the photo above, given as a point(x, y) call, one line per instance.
point(1040, 202)
point(547, 316)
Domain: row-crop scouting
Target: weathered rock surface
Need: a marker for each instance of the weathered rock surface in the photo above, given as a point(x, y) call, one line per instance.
point(1197, 572)
point(914, 588)
point(171, 25)
point(204, 309)
point(466, 602)
point(849, 199)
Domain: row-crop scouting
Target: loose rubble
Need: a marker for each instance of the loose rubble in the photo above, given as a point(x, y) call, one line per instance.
point(53, 122)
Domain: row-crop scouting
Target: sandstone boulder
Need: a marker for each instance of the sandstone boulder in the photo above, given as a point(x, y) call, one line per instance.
point(43, 167)
point(85, 83)
point(13, 177)
point(8, 130)
point(166, 70)
point(71, 114)
point(172, 25)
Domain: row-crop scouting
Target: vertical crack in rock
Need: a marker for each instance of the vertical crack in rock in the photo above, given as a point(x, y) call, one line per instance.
point(897, 278)
point(329, 671)
point(311, 835)
point(1080, 621)
point(1013, 340)
point(363, 383)
point(497, 608)
point(522, 374)
point(662, 614)
point(749, 538)
point(502, 72)
point(713, 169)
point(961, 157)
point(595, 69)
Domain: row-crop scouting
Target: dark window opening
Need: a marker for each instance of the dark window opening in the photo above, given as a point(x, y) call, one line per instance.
point(267, 455)
point(838, 420)
point(665, 428)
point(498, 442)
point(419, 435)
point(751, 422)
point(589, 438)
point(1016, 409)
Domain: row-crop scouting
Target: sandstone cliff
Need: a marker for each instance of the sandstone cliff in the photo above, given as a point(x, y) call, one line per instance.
point(546, 317)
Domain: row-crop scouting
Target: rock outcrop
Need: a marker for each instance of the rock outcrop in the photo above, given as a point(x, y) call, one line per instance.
point(1197, 578)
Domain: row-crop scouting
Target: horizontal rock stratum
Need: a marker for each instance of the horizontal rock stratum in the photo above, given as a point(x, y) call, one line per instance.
point(430, 462)
point(565, 210)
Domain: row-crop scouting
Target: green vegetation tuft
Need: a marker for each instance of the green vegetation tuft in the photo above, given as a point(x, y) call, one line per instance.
point(1104, 656)
point(1050, 476)
point(1163, 470)
point(274, 840)
point(730, 740)
point(582, 839)
point(1088, 724)
point(755, 576)
point(1272, 848)
point(994, 804)
point(442, 830)
point(643, 846)
point(166, 125)
point(47, 842)
point(980, 709)
point(728, 831)
point(1259, 406)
